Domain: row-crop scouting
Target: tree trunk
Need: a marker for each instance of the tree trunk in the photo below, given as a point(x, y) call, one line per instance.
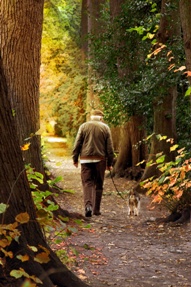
point(185, 12)
point(164, 124)
point(165, 104)
point(115, 7)
point(132, 150)
point(15, 192)
point(90, 25)
point(133, 132)
point(124, 157)
point(20, 44)
point(20, 38)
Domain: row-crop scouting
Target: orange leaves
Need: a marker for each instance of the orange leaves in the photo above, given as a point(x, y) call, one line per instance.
point(7, 253)
point(23, 258)
point(42, 257)
point(157, 51)
point(174, 182)
point(25, 147)
point(180, 69)
point(22, 217)
point(188, 73)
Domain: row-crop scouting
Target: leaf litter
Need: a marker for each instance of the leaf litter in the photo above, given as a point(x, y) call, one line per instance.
point(118, 250)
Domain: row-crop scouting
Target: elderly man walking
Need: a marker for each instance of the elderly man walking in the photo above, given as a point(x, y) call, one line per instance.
point(94, 146)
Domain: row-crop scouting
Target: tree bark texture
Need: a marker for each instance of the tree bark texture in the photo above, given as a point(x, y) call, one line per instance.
point(164, 105)
point(15, 192)
point(115, 7)
point(20, 44)
point(132, 133)
point(91, 25)
point(185, 12)
point(132, 150)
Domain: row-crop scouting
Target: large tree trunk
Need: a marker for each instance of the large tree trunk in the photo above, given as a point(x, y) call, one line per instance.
point(20, 44)
point(164, 124)
point(15, 192)
point(115, 7)
point(132, 150)
point(165, 104)
point(185, 12)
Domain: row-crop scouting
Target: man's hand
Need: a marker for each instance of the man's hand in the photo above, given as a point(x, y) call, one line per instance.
point(76, 164)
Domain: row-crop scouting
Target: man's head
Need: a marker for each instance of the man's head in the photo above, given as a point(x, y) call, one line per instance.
point(96, 115)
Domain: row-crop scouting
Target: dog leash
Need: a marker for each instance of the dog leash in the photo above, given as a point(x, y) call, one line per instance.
point(119, 193)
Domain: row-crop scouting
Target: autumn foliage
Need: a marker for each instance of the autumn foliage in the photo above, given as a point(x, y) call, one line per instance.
point(173, 187)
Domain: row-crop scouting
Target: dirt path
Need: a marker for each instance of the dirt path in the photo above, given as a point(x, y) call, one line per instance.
point(117, 250)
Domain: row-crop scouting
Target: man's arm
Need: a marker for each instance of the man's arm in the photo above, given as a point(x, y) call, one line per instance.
point(77, 147)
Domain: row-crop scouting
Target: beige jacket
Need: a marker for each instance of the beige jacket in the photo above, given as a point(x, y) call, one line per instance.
point(93, 141)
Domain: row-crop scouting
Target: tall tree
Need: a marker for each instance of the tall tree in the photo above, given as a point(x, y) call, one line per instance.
point(20, 38)
point(20, 45)
point(116, 57)
point(164, 104)
point(22, 240)
point(133, 131)
point(91, 25)
point(185, 10)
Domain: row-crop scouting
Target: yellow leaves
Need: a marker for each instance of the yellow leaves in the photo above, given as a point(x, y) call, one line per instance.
point(171, 67)
point(22, 217)
point(33, 248)
point(43, 257)
point(156, 51)
point(8, 233)
point(174, 147)
point(22, 273)
point(4, 242)
point(7, 253)
point(23, 258)
point(25, 146)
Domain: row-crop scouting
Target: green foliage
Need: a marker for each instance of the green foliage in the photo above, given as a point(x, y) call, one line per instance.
point(134, 71)
point(11, 233)
point(173, 186)
point(44, 205)
point(3, 207)
point(119, 57)
point(188, 92)
point(63, 73)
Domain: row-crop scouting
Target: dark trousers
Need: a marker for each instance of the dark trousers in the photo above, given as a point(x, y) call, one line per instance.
point(92, 175)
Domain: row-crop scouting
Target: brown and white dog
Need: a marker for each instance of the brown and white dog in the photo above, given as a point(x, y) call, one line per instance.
point(133, 203)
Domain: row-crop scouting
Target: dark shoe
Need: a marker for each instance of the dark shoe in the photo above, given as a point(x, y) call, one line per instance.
point(88, 211)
